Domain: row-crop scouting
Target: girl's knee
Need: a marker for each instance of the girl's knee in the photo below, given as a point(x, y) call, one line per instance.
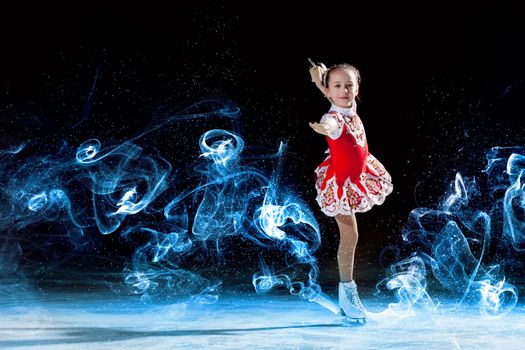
point(346, 219)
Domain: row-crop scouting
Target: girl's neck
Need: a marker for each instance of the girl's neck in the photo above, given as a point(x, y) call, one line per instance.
point(344, 110)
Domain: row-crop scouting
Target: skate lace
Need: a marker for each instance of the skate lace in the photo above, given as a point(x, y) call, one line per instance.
point(355, 299)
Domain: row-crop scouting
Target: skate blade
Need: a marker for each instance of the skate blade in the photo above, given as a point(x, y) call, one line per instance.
point(351, 322)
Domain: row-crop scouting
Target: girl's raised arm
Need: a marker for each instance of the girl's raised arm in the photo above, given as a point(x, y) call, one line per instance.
point(316, 73)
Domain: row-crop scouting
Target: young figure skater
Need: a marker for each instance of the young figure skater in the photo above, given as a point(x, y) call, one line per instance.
point(350, 180)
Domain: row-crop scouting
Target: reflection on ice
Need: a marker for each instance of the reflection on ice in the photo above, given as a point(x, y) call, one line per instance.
point(246, 320)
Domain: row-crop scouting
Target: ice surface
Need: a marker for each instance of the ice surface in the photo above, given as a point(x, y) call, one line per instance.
point(244, 321)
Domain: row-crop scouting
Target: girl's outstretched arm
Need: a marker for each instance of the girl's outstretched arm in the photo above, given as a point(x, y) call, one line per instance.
point(323, 128)
point(320, 128)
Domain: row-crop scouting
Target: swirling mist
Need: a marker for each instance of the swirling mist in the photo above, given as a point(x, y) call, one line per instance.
point(472, 242)
point(123, 189)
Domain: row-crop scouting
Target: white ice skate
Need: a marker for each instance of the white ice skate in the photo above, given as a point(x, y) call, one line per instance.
point(352, 311)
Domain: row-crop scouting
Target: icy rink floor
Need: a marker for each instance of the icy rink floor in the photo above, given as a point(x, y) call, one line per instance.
point(243, 321)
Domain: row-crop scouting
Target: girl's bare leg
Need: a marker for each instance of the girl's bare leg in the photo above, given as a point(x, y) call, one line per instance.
point(347, 243)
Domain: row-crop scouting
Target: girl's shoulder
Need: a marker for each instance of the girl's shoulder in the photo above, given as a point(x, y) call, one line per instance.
point(336, 122)
point(332, 114)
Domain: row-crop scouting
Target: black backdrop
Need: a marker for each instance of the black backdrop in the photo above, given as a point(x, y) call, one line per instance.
point(442, 83)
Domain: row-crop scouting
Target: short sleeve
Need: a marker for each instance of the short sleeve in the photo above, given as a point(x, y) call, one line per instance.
point(336, 126)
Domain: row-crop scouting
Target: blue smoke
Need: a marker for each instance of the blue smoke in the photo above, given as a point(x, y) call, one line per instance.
point(469, 242)
point(124, 189)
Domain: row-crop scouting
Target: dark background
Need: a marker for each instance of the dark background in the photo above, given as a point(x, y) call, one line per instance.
point(441, 83)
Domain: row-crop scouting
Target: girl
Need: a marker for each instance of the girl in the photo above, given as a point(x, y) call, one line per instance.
point(350, 180)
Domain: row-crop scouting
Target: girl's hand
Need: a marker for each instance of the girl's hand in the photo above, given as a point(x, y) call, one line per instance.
point(316, 73)
point(320, 128)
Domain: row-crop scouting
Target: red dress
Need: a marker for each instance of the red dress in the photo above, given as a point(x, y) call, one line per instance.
point(350, 179)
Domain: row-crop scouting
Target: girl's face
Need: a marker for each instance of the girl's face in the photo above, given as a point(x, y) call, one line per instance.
point(342, 87)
